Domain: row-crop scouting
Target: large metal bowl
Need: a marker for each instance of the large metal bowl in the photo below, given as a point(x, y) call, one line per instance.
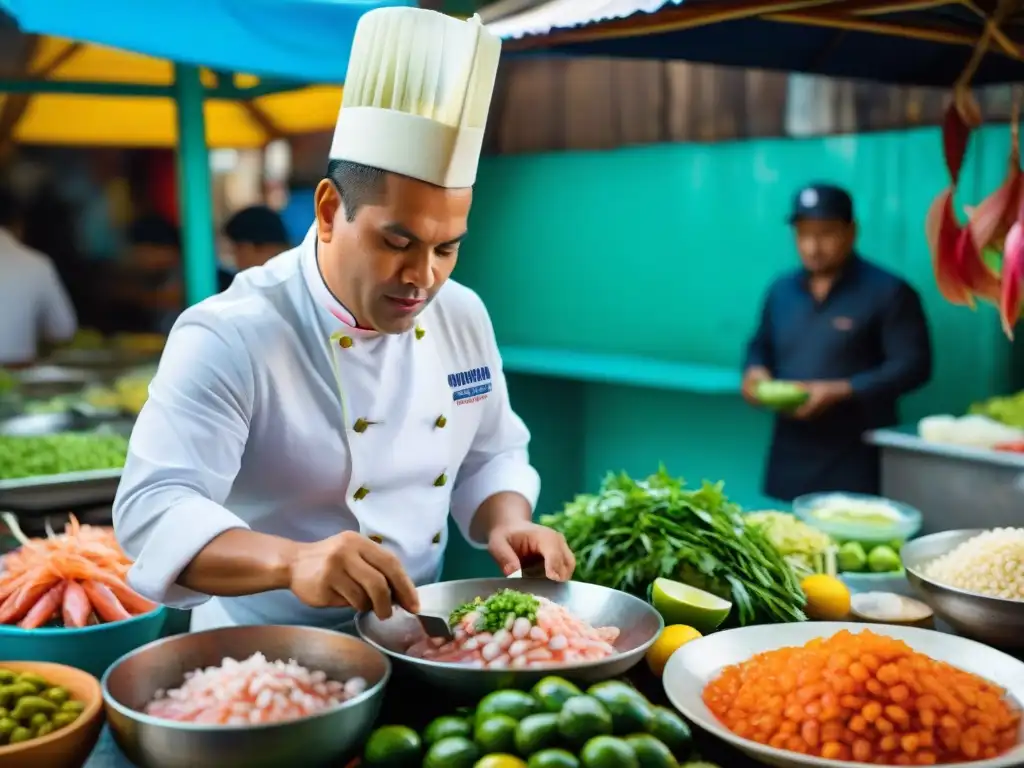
point(991, 620)
point(639, 622)
point(326, 739)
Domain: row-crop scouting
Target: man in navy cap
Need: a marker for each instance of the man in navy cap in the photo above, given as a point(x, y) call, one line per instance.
point(256, 234)
point(853, 334)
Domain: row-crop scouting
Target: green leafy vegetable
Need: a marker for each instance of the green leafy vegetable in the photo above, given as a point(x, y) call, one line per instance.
point(496, 609)
point(59, 454)
point(633, 531)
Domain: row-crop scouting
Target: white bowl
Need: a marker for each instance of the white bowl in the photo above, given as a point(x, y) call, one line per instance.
point(697, 663)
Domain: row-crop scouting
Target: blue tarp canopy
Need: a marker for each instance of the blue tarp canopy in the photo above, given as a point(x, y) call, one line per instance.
point(305, 40)
point(913, 42)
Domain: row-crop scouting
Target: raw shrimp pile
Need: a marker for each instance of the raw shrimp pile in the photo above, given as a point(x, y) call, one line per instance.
point(252, 691)
point(76, 578)
point(548, 635)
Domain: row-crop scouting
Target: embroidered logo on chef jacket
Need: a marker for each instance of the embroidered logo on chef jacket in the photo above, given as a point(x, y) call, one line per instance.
point(843, 323)
point(470, 386)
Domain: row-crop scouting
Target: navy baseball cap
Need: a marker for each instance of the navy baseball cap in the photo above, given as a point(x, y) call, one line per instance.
point(822, 202)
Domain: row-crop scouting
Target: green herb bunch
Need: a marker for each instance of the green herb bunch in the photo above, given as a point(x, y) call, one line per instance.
point(633, 531)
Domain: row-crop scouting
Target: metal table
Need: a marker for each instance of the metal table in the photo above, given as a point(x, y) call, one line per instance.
point(954, 487)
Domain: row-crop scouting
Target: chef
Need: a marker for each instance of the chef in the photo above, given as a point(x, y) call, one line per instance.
point(310, 430)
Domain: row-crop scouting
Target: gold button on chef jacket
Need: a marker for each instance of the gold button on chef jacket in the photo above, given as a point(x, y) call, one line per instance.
point(252, 423)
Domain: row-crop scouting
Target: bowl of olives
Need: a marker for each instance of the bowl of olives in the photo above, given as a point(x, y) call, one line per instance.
point(50, 714)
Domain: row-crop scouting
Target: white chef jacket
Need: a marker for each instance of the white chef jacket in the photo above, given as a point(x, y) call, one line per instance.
point(271, 411)
point(33, 302)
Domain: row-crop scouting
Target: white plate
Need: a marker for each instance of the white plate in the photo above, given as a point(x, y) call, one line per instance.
point(694, 665)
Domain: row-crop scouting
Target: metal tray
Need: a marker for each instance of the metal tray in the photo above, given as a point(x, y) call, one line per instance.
point(58, 492)
point(48, 381)
point(104, 362)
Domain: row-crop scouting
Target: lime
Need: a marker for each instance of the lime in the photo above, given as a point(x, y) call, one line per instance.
point(630, 711)
point(393, 745)
point(883, 559)
point(496, 734)
point(650, 752)
point(553, 758)
point(553, 692)
point(515, 704)
point(446, 726)
point(536, 733)
point(453, 752)
point(682, 604)
point(608, 752)
point(582, 718)
point(852, 557)
point(500, 761)
point(781, 395)
point(670, 729)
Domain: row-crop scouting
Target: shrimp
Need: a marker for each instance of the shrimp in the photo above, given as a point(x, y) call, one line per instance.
point(556, 637)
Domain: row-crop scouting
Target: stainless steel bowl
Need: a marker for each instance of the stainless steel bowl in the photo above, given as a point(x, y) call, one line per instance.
point(991, 620)
point(321, 740)
point(639, 622)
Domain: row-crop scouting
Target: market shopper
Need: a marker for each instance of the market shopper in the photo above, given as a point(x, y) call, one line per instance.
point(35, 309)
point(256, 235)
point(853, 333)
point(309, 429)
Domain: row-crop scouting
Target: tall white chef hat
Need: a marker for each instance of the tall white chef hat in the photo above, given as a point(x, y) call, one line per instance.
point(417, 94)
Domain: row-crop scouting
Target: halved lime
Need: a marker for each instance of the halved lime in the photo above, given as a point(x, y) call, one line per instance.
point(680, 603)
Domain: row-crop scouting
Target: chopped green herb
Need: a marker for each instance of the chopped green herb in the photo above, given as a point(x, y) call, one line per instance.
point(494, 612)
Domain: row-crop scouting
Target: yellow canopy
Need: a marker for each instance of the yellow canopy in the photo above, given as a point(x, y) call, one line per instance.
point(234, 119)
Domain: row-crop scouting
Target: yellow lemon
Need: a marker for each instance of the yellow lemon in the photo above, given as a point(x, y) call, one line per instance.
point(499, 761)
point(828, 599)
point(671, 639)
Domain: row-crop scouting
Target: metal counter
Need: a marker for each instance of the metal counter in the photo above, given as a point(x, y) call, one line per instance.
point(954, 487)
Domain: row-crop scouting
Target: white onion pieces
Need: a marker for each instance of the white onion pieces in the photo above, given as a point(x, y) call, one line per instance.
point(991, 563)
point(252, 691)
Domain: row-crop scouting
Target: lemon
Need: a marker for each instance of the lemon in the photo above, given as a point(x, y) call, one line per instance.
point(500, 761)
point(671, 639)
point(828, 599)
point(680, 603)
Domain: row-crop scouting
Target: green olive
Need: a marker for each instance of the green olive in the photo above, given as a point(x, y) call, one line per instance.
point(62, 719)
point(19, 734)
point(27, 706)
point(38, 719)
point(7, 677)
point(38, 684)
point(7, 726)
point(72, 706)
point(44, 730)
point(57, 694)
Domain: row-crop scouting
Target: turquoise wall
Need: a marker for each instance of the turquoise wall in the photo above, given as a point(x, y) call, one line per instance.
point(663, 253)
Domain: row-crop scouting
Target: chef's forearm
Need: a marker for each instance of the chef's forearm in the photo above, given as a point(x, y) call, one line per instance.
point(240, 562)
point(504, 508)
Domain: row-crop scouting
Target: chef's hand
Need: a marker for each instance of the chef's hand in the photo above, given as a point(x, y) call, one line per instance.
point(513, 543)
point(751, 378)
point(822, 395)
point(349, 570)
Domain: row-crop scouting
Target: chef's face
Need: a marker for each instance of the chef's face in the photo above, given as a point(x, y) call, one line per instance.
point(824, 244)
point(390, 261)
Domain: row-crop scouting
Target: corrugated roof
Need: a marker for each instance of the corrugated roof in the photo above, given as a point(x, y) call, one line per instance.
point(566, 14)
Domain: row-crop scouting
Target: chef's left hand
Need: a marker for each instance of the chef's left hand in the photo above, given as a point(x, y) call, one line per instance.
point(513, 543)
point(822, 395)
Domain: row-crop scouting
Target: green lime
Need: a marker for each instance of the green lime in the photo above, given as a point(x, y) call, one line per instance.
point(553, 758)
point(582, 718)
point(680, 603)
point(852, 557)
point(630, 711)
point(670, 729)
point(393, 745)
point(496, 734)
point(781, 395)
point(446, 726)
point(453, 752)
point(608, 752)
point(536, 733)
point(515, 704)
point(883, 559)
point(650, 752)
point(553, 692)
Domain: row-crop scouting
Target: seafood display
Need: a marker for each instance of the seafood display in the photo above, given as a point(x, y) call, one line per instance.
point(517, 630)
point(31, 708)
point(252, 691)
point(864, 698)
point(72, 579)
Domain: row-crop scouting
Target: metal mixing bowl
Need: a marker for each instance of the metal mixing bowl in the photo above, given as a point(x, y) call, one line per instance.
point(321, 740)
point(600, 606)
point(991, 620)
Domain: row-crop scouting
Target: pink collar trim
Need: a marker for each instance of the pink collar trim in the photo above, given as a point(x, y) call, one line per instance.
point(318, 288)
